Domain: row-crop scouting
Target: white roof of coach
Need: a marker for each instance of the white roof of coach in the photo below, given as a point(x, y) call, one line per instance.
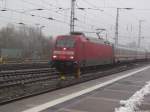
point(131, 49)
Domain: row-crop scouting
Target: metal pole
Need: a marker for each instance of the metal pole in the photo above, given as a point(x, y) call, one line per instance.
point(139, 36)
point(117, 25)
point(72, 17)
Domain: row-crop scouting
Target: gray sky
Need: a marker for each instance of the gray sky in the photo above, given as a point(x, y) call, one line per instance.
point(89, 19)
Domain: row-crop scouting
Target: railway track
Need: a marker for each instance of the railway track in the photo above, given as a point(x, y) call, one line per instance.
point(24, 83)
point(16, 84)
point(20, 66)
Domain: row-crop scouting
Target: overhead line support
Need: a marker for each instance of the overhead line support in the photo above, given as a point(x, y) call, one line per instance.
point(72, 17)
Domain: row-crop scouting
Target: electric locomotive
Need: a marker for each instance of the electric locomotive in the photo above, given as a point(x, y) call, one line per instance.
point(76, 51)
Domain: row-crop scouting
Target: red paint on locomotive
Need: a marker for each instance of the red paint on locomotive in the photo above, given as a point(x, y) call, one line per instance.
point(78, 51)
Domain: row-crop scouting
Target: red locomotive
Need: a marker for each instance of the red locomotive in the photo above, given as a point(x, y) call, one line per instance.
point(76, 51)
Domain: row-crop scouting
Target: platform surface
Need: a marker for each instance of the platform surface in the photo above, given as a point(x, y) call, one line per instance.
point(104, 99)
point(108, 98)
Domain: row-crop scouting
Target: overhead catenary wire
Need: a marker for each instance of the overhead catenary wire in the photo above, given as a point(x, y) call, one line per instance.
point(89, 18)
point(94, 8)
point(47, 6)
point(48, 18)
point(51, 10)
point(33, 15)
point(6, 19)
point(56, 11)
point(39, 9)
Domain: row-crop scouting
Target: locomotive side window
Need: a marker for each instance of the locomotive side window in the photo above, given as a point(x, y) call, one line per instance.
point(70, 43)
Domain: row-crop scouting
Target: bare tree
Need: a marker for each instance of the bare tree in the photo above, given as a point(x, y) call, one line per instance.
point(29, 39)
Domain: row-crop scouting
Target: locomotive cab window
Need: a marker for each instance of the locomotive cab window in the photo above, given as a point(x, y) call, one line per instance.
point(69, 43)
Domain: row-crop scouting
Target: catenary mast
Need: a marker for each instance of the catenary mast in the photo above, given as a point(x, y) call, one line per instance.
point(72, 17)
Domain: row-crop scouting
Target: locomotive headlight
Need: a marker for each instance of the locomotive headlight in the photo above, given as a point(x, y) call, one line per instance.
point(54, 56)
point(71, 57)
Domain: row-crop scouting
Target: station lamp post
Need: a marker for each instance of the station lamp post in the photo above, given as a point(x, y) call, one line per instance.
point(117, 24)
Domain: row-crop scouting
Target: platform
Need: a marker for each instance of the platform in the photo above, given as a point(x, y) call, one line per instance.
point(108, 98)
point(104, 99)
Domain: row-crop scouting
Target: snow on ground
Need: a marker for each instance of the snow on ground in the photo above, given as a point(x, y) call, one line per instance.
point(132, 104)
